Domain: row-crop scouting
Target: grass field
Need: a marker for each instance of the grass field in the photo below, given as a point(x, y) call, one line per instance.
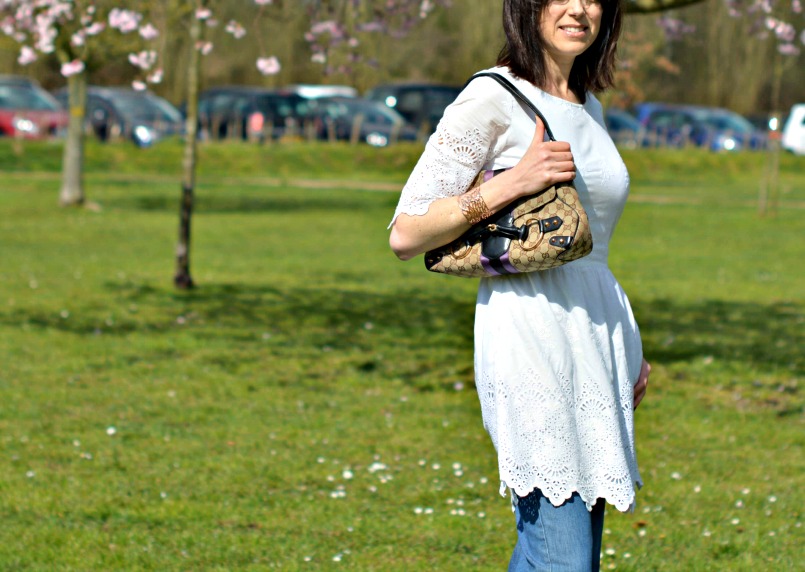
point(310, 406)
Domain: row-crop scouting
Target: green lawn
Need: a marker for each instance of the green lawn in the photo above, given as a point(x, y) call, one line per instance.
point(310, 406)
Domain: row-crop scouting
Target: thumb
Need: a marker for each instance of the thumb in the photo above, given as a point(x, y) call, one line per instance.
point(539, 133)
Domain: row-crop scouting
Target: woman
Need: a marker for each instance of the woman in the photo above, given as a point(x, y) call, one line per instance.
point(558, 357)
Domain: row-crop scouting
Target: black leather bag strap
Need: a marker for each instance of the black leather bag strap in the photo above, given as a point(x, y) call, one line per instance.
point(518, 95)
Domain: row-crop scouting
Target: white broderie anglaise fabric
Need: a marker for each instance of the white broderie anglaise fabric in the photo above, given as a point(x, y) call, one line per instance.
point(557, 352)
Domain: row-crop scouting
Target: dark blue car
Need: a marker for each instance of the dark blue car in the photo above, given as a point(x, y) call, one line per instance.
point(624, 128)
point(711, 128)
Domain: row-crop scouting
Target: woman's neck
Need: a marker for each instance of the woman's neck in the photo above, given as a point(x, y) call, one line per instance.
point(557, 81)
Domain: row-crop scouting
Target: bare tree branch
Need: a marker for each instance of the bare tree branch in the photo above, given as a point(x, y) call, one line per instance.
point(649, 6)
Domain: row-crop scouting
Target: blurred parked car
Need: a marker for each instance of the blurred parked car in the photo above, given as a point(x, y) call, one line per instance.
point(27, 110)
point(311, 91)
point(794, 130)
point(121, 112)
point(345, 118)
point(764, 122)
point(249, 112)
point(422, 105)
point(624, 128)
point(725, 130)
point(713, 128)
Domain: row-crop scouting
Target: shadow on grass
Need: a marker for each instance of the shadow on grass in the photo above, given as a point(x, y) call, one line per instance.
point(226, 308)
point(765, 337)
point(265, 201)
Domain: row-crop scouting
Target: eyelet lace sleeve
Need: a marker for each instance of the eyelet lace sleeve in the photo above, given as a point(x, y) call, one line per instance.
point(466, 139)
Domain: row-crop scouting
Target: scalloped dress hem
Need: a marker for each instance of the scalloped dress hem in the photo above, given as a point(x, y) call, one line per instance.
point(558, 500)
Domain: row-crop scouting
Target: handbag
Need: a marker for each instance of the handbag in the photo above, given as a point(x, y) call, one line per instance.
point(536, 232)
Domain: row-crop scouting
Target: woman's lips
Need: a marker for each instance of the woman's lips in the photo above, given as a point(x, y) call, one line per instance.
point(574, 31)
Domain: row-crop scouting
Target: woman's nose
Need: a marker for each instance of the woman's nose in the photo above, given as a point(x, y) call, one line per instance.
point(576, 7)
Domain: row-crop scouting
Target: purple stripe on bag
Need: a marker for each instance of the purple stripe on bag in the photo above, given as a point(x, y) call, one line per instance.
point(504, 260)
point(487, 264)
point(498, 267)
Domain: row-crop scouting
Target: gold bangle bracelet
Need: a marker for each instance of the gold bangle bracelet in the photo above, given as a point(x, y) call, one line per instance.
point(473, 206)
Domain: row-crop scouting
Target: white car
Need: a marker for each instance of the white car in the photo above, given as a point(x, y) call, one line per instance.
point(310, 91)
point(794, 130)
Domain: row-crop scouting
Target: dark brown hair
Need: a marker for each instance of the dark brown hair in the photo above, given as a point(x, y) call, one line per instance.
point(524, 51)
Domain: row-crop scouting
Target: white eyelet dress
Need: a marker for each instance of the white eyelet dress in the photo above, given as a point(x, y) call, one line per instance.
point(557, 352)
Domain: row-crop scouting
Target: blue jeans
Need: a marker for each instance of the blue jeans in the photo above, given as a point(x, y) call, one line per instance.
point(566, 538)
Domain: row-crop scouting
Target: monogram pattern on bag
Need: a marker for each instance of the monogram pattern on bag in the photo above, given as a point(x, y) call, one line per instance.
point(534, 253)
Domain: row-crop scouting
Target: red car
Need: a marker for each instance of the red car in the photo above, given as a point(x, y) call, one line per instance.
point(28, 111)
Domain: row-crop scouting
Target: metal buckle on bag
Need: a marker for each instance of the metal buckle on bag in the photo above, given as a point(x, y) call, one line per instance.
point(532, 222)
point(544, 225)
point(461, 253)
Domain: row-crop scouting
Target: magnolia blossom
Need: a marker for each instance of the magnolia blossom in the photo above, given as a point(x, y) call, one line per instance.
point(785, 32)
point(144, 60)
point(138, 85)
point(72, 68)
point(425, 8)
point(268, 66)
point(328, 27)
point(38, 24)
point(44, 43)
point(332, 38)
point(148, 32)
point(674, 28)
point(124, 20)
point(27, 56)
point(371, 27)
point(156, 76)
point(765, 15)
point(235, 29)
point(60, 10)
point(95, 28)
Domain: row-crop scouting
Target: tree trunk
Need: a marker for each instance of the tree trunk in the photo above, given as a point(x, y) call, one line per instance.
point(769, 191)
point(182, 278)
point(72, 187)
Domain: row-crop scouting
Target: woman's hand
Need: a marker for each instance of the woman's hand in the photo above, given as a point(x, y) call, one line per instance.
point(642, 383)
point(545, 163)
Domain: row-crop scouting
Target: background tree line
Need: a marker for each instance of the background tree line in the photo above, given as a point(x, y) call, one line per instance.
point(721, 60)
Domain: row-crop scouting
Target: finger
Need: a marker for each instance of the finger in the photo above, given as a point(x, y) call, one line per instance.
point(639, 397)
point(639, 392)
point(560, 156)
point(564, 177)
point(642, 383)
point(564, 166)
point(558, 146)
point(562, 172)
